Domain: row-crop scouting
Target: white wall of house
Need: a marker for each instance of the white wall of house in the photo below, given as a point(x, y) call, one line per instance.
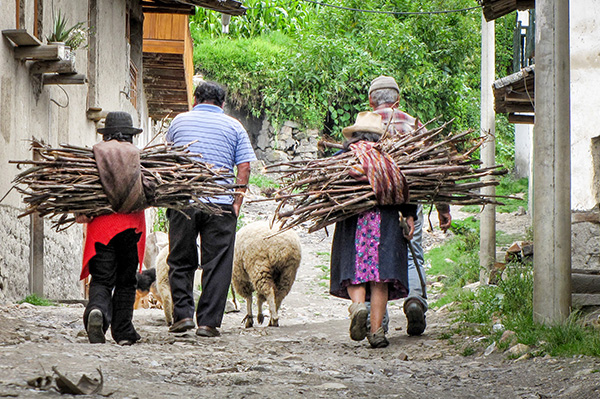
point(57, 114)
point(523, 148)
point(585, 103)
point(585, 132)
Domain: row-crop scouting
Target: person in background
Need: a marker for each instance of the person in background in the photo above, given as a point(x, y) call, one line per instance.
point(114, 244)
point(383, 98)
point(223, 142)
point(369, 254)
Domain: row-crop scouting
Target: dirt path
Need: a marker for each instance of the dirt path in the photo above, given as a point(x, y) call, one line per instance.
point(309, 356)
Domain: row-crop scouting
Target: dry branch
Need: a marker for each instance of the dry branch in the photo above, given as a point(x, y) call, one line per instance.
point(320, 192)
point(65, 181)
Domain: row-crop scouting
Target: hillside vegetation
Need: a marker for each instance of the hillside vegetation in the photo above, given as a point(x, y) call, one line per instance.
point(303, 61)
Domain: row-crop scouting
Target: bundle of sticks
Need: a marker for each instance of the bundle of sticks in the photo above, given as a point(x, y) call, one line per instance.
point(321, 192)
point(64, 181)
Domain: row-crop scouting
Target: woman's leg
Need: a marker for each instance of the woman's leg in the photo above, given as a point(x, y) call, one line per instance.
point(358, 312)
point(379, 298)
point(357, 293)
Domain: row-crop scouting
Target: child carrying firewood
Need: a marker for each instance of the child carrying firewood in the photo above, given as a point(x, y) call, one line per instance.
point(114, 244)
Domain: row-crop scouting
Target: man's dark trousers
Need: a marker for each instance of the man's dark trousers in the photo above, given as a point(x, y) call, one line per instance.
point(217, 239)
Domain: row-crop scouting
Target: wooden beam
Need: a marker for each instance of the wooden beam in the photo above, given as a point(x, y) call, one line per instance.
point(163, 46)
point(521, 119)
point(44, 52)
point(524, 108)
point(63, 66)
point(63, 79)
point(20, 37)
point(166, 84)
point(520, 97)
point(582, 300)
point(36, 246)
point(587, 217)
point(167, 8)
point(585, 283)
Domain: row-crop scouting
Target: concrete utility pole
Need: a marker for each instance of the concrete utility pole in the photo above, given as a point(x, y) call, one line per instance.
point(552, 164)
point(487, 227)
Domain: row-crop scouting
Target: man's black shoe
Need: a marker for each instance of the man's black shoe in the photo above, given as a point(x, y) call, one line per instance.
point(207, 331)
point(182, 325)
point(416, 318)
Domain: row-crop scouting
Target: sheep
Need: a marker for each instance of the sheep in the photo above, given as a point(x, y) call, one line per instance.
point(163, 287)
point(155, 241)
point(265, 263)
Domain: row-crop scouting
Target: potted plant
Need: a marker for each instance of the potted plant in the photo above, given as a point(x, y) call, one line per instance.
point(73, 37)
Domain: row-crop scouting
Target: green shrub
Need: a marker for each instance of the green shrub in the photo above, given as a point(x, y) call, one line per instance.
point(161, 223)
point(311, 64)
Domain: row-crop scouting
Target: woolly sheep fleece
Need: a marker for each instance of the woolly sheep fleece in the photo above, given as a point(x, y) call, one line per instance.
point(266, 264)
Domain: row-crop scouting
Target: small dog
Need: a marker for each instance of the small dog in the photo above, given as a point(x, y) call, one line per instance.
point(146, 283)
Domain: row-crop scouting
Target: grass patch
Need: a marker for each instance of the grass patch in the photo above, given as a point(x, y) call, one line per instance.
point(325, 269)
point(458, 258)
point(509, 186)
point(468, 351)
point(508, 304)
point(36, 300)
point(262, 181)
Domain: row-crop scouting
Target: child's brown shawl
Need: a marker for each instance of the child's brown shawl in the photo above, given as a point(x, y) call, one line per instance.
point(120, 173)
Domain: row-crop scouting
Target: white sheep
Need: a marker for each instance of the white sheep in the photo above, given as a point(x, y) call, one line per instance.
point(162, 284)
point(265, 263)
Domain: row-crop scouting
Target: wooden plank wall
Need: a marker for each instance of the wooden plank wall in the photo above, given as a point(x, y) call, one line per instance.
point(165, 33)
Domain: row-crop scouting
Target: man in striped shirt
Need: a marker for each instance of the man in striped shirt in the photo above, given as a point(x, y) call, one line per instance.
point(224, 143)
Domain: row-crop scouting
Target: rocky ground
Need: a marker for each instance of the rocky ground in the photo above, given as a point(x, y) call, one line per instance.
point(310, 355)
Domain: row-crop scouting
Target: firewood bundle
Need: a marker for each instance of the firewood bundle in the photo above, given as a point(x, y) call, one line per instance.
point(321, 192)
point(65, 181)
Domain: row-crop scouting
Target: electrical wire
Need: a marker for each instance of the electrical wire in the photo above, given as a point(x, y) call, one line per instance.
point(393, 12)
point(380, 11)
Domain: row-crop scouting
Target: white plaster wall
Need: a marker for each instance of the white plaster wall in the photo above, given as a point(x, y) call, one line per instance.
point(55, 115)
point(523, 150)
point(585, 100)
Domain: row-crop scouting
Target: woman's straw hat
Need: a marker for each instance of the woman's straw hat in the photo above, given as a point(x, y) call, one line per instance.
point(365, 122)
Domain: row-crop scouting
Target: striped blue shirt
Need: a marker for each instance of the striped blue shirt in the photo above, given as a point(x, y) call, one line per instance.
point(222, 140)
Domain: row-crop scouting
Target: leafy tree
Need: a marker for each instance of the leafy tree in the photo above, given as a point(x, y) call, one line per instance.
point(313, 64)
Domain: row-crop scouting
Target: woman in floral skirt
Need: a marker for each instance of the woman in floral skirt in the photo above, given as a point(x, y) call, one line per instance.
point(369, 261)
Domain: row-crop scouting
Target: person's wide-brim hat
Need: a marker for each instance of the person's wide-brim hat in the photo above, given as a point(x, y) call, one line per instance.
point(365, 122)
point(119, 121)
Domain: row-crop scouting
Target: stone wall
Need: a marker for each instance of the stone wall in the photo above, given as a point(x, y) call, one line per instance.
point(14, 257)
point(585, 230)
point(289, 143)
point(63, 252)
